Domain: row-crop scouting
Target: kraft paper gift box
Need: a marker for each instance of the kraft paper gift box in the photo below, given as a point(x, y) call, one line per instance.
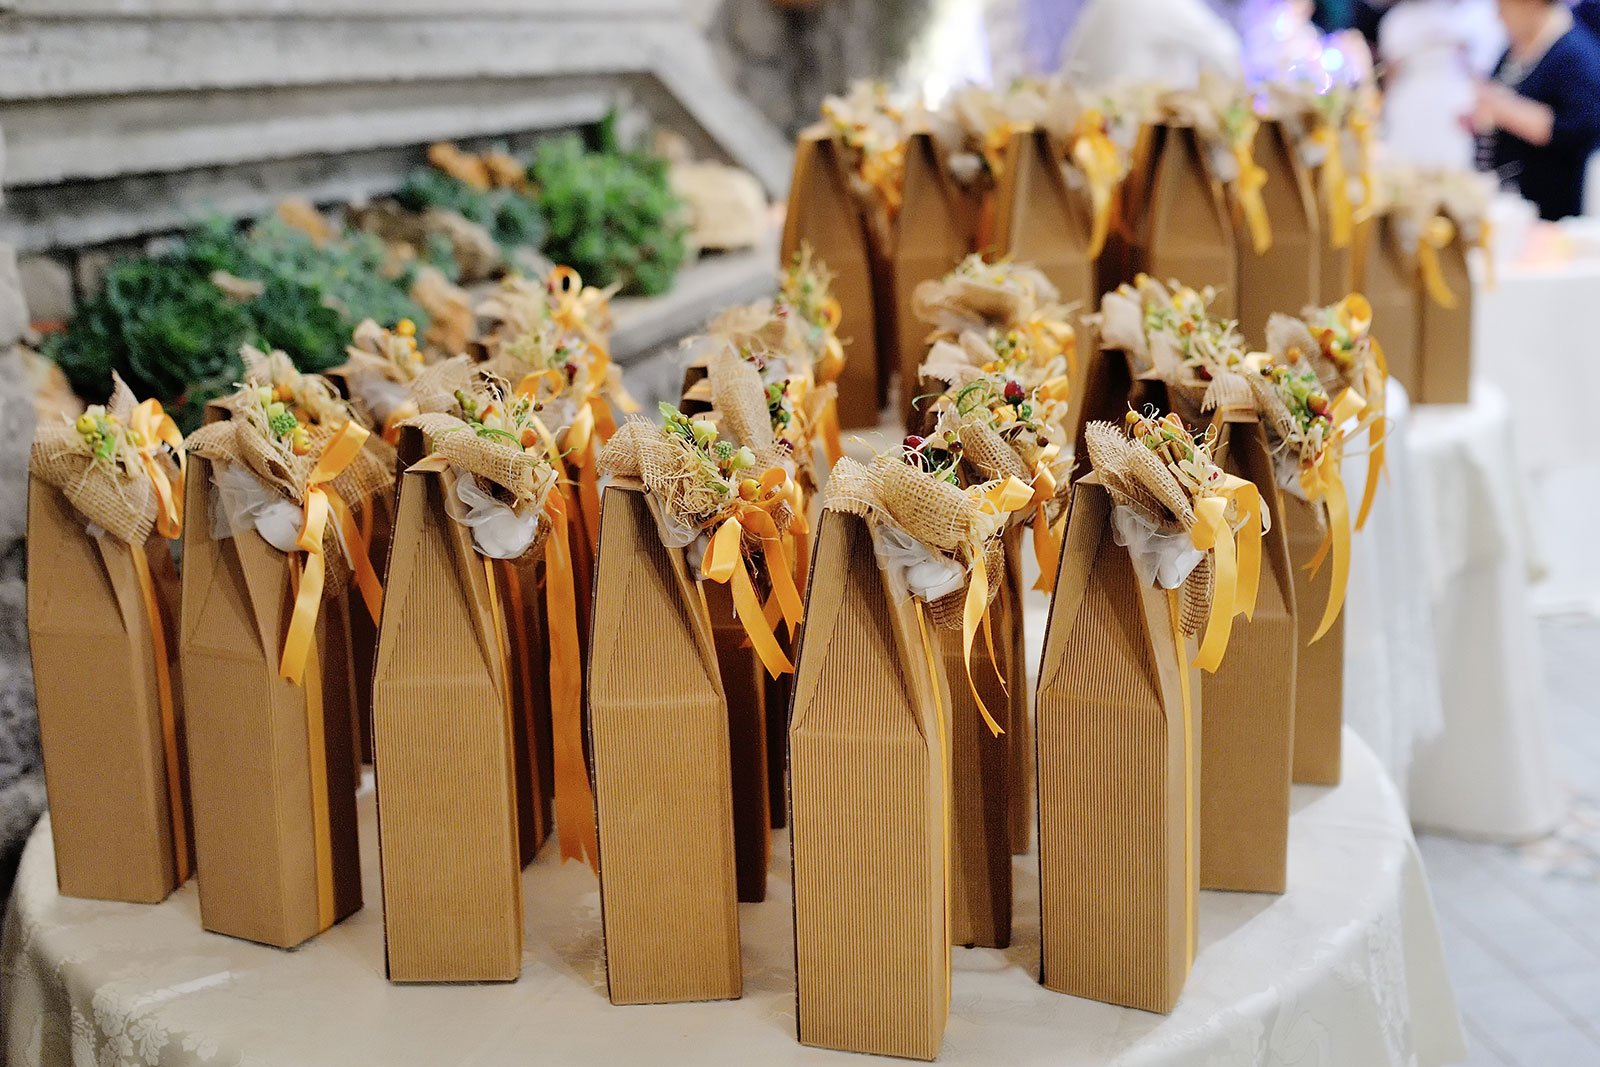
point(825, 215)
point(744, 689)
point(1389, 279)
point(102, 590)
point(272, 771)
point(933, 231)
point(1184, 227)
point(1319, 681)
point(1010, 637)
point(1247, 737)
point(1039, 220)
point(1118, 785)
point(870, 811)
point(659, 733)
point(1444, 354)
point(1285, 275)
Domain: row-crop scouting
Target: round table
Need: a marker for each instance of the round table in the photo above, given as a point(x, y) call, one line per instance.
point(1489, 772)
point(1344, 969)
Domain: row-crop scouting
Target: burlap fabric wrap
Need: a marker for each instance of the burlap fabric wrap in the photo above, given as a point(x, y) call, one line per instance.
point(934, 512)
point(243, 439)
point(1137, 478)
point(1002, 294)
point(741, 404)
point(687, 493)
point(113, 496)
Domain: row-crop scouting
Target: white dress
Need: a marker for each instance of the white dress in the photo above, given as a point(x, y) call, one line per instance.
point(1435, 52)
point(1167, 41)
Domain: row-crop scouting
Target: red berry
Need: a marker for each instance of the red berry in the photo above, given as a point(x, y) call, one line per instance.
point(1014, 393)
point(913, 442)
point(1202, 372)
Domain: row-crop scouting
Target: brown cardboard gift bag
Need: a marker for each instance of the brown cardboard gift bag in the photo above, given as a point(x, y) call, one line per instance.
point(1118, 711)
point(1389, 281)
point(1286, 274)
point(934, 230)
point(1183, 228)
point(1040, 221)
point(111, 737)
point(870, 808)
point(1247, 738)
point(825, 214)
point(445, 751)
point(1319, 682)
point(658, 728)
point(272, 773)
point(1445, 306)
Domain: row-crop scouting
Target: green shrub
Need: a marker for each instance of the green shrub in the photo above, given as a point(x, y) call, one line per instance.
point(611, 214)
point(161, 322)
point(511, 218)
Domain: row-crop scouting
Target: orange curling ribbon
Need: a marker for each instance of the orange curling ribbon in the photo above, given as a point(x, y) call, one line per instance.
point(1191, 898)
point(1322, 481)
point(574, 797)
point(1096, 156)
point(999, 498)
point(1436, 237)
point(1335, 186)
point(319, 501)
point(1247, 190)
point(155, 427)
point(724, 561)
point(169, 716)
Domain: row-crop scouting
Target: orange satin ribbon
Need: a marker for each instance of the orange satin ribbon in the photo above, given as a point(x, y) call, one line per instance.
point(1436, 236)
point(1321, 481)
point(522, 653)
point(320, 502)
point(574, 796)
point(1046, 541)
point(1376, 383)
point(1191, 898)
point(724, 562)
point(947, 765)
point(1096, 156)
point(1236, 567)
point(317, 760)
point(1247, 190)
point(155, 427)
point(169, 716)
point(1000, 498)
point(1335, 186)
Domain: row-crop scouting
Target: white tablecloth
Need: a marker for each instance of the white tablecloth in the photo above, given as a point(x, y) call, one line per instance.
point(1489, 773)
point(1535, 337)
point(1345, 969)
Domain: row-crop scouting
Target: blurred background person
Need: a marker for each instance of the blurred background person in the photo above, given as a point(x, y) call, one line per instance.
point(1433, 54)
point(1540, 113)
point(1588, 14)
point(1170, 41)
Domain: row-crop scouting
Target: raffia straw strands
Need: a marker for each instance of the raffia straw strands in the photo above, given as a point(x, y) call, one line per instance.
point(119, 500)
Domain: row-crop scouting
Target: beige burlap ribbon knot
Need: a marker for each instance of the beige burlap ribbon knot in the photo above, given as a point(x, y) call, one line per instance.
point(117, 496)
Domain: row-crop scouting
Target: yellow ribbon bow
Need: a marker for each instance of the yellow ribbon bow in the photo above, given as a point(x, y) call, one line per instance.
point(1237, 568)
point(1435, 238)
point(320, 502)
point(1096, 156)
point(724, 562)
point(1335, 186)
point(997, 499)
point(1322, 481)
point(1247, 188)
point(155, 427)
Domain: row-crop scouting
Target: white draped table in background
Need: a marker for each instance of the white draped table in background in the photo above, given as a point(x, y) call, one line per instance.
point(1344, 970)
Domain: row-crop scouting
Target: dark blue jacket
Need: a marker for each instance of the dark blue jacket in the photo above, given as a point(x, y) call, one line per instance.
point(1587, 12)
point(1567, 79)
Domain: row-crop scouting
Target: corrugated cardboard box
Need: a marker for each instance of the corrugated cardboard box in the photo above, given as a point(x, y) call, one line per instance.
point(1118, 777)
point(1389, 282)
point(1247, 739)
point(108, 768)
point(776, 699)
point(1287, 276)
point(663, 796)
point(869, 810)
point(744, 689)
point(1040, 221)
point(1445, 354)
point(1187, 229)
point(824, 213)
point(933, 233)
point(445, 753)
point(980, 795)
point(271, 769)
point(1319, 685)
point(1011, 637)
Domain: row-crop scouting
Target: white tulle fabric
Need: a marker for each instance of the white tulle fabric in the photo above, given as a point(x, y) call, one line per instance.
point(1344, 970)
point(247, 503)
point(499, 531)
point(927, 574)
point(1163, 559)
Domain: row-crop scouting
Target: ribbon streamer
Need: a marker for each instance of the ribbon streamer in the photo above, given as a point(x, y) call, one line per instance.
point(1096, 156)
point(1435, 238)
point(1191, 898)
point(1322, 481)
point(946, 763)
point(169, 716)
point(1336, 186)
point(574, 797)
point(1247, 189)
point(155, 427)
point(1000, 498)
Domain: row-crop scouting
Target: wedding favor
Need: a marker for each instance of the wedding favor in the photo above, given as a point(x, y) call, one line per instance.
point(903, 553)
point(277, 486)
point(105, 494)
point(1149, 562)
point(1280, 268)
